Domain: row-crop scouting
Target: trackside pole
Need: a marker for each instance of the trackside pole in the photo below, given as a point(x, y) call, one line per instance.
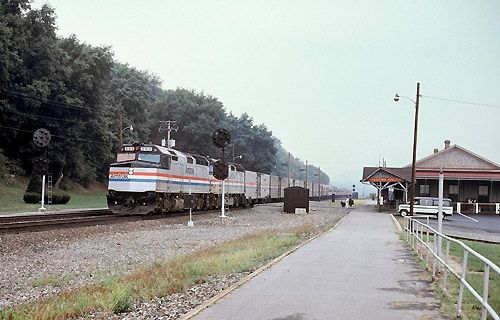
point(42, 208)
point(190, 222)
point(440, 212)
point(223, 203)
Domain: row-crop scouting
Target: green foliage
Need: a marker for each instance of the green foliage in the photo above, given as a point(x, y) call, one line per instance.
point(197, 116)
point(297, 167)
point(85, 99)
point(121, 299)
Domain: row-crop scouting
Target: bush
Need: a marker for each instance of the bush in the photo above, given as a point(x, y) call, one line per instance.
point(9, 168)
point(32, 197)
point(58, 197)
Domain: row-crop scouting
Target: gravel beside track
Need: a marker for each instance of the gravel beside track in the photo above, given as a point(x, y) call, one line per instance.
point(73, 257)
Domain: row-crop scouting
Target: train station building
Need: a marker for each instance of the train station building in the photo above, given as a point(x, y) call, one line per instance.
point(467, 177)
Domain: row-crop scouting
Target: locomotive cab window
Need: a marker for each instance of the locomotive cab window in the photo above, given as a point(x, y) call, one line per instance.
point(165, 162)
point(122, 157)
point(149, 157)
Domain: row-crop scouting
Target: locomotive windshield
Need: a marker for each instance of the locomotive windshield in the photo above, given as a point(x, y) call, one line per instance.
point(149, 157)
point(122, 157)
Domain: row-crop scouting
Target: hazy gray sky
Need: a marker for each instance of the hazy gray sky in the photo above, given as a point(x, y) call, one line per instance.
point(320, 74)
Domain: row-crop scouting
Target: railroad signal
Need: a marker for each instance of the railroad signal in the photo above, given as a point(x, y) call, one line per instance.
point(221, 171)
point(41, 165)
point(221, 138)
point(41, 138)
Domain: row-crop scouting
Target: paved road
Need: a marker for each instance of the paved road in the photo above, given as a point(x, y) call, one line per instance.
point(361, 270)
point(487, 227)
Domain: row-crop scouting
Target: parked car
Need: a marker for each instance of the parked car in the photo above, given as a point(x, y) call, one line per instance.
point(426, 205)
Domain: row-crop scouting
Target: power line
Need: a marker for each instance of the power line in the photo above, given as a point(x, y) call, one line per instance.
point(18, 94)
point(56, 136)
point(463, 102)
point(38, 116)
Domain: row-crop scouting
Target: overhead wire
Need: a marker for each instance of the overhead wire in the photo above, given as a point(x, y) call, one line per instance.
point(18, 94)
point(463, 102)
point(39, 116)
point(53, 135)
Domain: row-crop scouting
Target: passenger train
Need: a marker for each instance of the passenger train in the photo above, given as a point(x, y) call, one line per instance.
point(148, 178)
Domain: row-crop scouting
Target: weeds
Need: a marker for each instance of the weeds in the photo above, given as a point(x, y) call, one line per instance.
point(116, 294)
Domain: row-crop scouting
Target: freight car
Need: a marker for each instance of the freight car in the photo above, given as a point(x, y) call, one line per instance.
point(148, 178)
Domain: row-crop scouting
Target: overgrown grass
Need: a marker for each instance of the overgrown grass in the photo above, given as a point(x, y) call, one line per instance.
point(11, 198)
point(117, 294)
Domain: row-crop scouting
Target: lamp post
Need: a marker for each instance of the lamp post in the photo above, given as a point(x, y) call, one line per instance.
point(414, 160)
point(131, 128)
point(238, 157)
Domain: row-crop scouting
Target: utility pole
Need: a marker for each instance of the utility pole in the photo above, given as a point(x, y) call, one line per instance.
point(306, 174)
point(413, 163)
point(169, 126)
point(120, 129)
point(288, 169)
point(319, 183)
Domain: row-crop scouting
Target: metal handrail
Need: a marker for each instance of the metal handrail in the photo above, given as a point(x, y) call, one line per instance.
point(417, 233)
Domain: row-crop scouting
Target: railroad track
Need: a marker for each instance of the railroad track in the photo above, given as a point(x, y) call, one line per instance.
point(36, 222)
point(81, 218)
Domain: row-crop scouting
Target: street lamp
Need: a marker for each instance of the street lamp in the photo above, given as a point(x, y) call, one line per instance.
point(238, 157)
point(414, 160)
point(131, 128)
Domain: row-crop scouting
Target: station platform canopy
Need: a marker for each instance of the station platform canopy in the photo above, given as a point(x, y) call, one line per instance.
point(387, 178)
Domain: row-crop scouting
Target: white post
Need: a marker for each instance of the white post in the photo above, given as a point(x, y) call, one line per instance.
point(497, 208)
point(42, 208)
point(223, 215)
point(477, 207)
point(190, 222)
point(440, 212)
point(459, 207)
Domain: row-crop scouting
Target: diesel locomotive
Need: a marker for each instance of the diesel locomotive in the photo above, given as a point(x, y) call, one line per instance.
point(149, 178)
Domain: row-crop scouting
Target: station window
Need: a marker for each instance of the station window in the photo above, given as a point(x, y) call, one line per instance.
point(483, 191)
point(424, 189)
point(453, 189)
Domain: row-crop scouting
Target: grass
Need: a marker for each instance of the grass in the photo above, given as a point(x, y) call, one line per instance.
point(474, 277)
point(471, 306)
point(117, 294)
point(54, 281)
point(11, 198)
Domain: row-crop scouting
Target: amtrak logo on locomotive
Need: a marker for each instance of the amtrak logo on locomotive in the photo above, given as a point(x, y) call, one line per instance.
point(118, 176)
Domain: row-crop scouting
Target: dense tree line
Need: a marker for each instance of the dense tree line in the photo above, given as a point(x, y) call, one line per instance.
point(86, 99)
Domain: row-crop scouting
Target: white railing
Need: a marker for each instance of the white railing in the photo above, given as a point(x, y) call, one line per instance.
point(476, 207)
point(415, 231)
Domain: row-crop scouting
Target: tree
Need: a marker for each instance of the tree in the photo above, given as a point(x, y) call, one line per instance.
point(197, 116)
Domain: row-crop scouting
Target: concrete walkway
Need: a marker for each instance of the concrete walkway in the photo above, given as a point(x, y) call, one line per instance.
point(360, 270)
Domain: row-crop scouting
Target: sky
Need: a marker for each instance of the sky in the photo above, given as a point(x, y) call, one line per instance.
point(321, 75)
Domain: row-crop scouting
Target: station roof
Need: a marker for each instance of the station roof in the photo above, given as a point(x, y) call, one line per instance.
point(457, 163)
point(386, 174)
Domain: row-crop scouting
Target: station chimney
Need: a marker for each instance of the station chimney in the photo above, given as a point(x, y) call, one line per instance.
point(446, 144)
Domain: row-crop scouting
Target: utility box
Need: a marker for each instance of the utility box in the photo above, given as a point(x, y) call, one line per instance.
point(296, 197)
